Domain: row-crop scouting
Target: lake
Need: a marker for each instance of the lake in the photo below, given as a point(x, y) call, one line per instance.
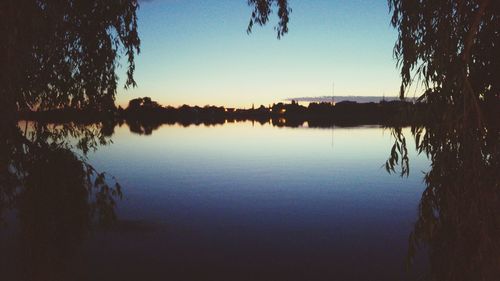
point(246, 201)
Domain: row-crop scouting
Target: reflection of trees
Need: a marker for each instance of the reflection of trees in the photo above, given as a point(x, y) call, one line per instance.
point(142, 127)
point(459, 213)
point(59, 55)
point(56, 193)
point(451, 47)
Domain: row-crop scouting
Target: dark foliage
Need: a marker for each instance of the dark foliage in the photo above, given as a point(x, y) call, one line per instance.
point(452, 47)
point(262, 9)
point(58, 54)
point(57, 195)
point(144, 115)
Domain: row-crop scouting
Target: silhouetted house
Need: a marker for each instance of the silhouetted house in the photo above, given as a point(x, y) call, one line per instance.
point(278, 108)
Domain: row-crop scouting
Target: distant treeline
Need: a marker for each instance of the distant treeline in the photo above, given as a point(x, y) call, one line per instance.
point(145, 112)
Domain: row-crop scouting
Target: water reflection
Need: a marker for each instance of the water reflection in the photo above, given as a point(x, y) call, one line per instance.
point(57, 197)
point(54, 193)
point(458, 220)
point(147, 127)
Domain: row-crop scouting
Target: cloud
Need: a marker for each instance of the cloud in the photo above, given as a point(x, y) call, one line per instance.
point(359, 99)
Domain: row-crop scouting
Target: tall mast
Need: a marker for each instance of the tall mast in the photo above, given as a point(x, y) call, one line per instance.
point(333, 92)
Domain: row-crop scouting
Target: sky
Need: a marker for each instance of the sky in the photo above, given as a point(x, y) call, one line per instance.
point(197, 52)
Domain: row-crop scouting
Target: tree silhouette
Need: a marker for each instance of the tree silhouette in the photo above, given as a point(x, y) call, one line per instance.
point(263, 9)
point(451, 47)
point(56, 54)
point(58, 198)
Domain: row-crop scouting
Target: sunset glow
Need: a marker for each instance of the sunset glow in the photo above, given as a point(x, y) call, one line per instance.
point(201, 55)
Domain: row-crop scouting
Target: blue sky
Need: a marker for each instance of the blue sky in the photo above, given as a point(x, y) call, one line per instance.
point(198, 52)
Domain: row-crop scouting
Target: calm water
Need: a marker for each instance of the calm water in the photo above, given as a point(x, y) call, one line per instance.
point(245, 202)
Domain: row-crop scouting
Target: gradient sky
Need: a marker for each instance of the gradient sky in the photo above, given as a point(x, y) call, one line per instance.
point(198, 52)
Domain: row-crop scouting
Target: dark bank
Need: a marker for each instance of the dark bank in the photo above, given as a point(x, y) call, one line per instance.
point(395, 190)
point(144, 110)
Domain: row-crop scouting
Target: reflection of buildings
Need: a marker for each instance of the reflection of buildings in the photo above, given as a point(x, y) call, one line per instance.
point(144, 115)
